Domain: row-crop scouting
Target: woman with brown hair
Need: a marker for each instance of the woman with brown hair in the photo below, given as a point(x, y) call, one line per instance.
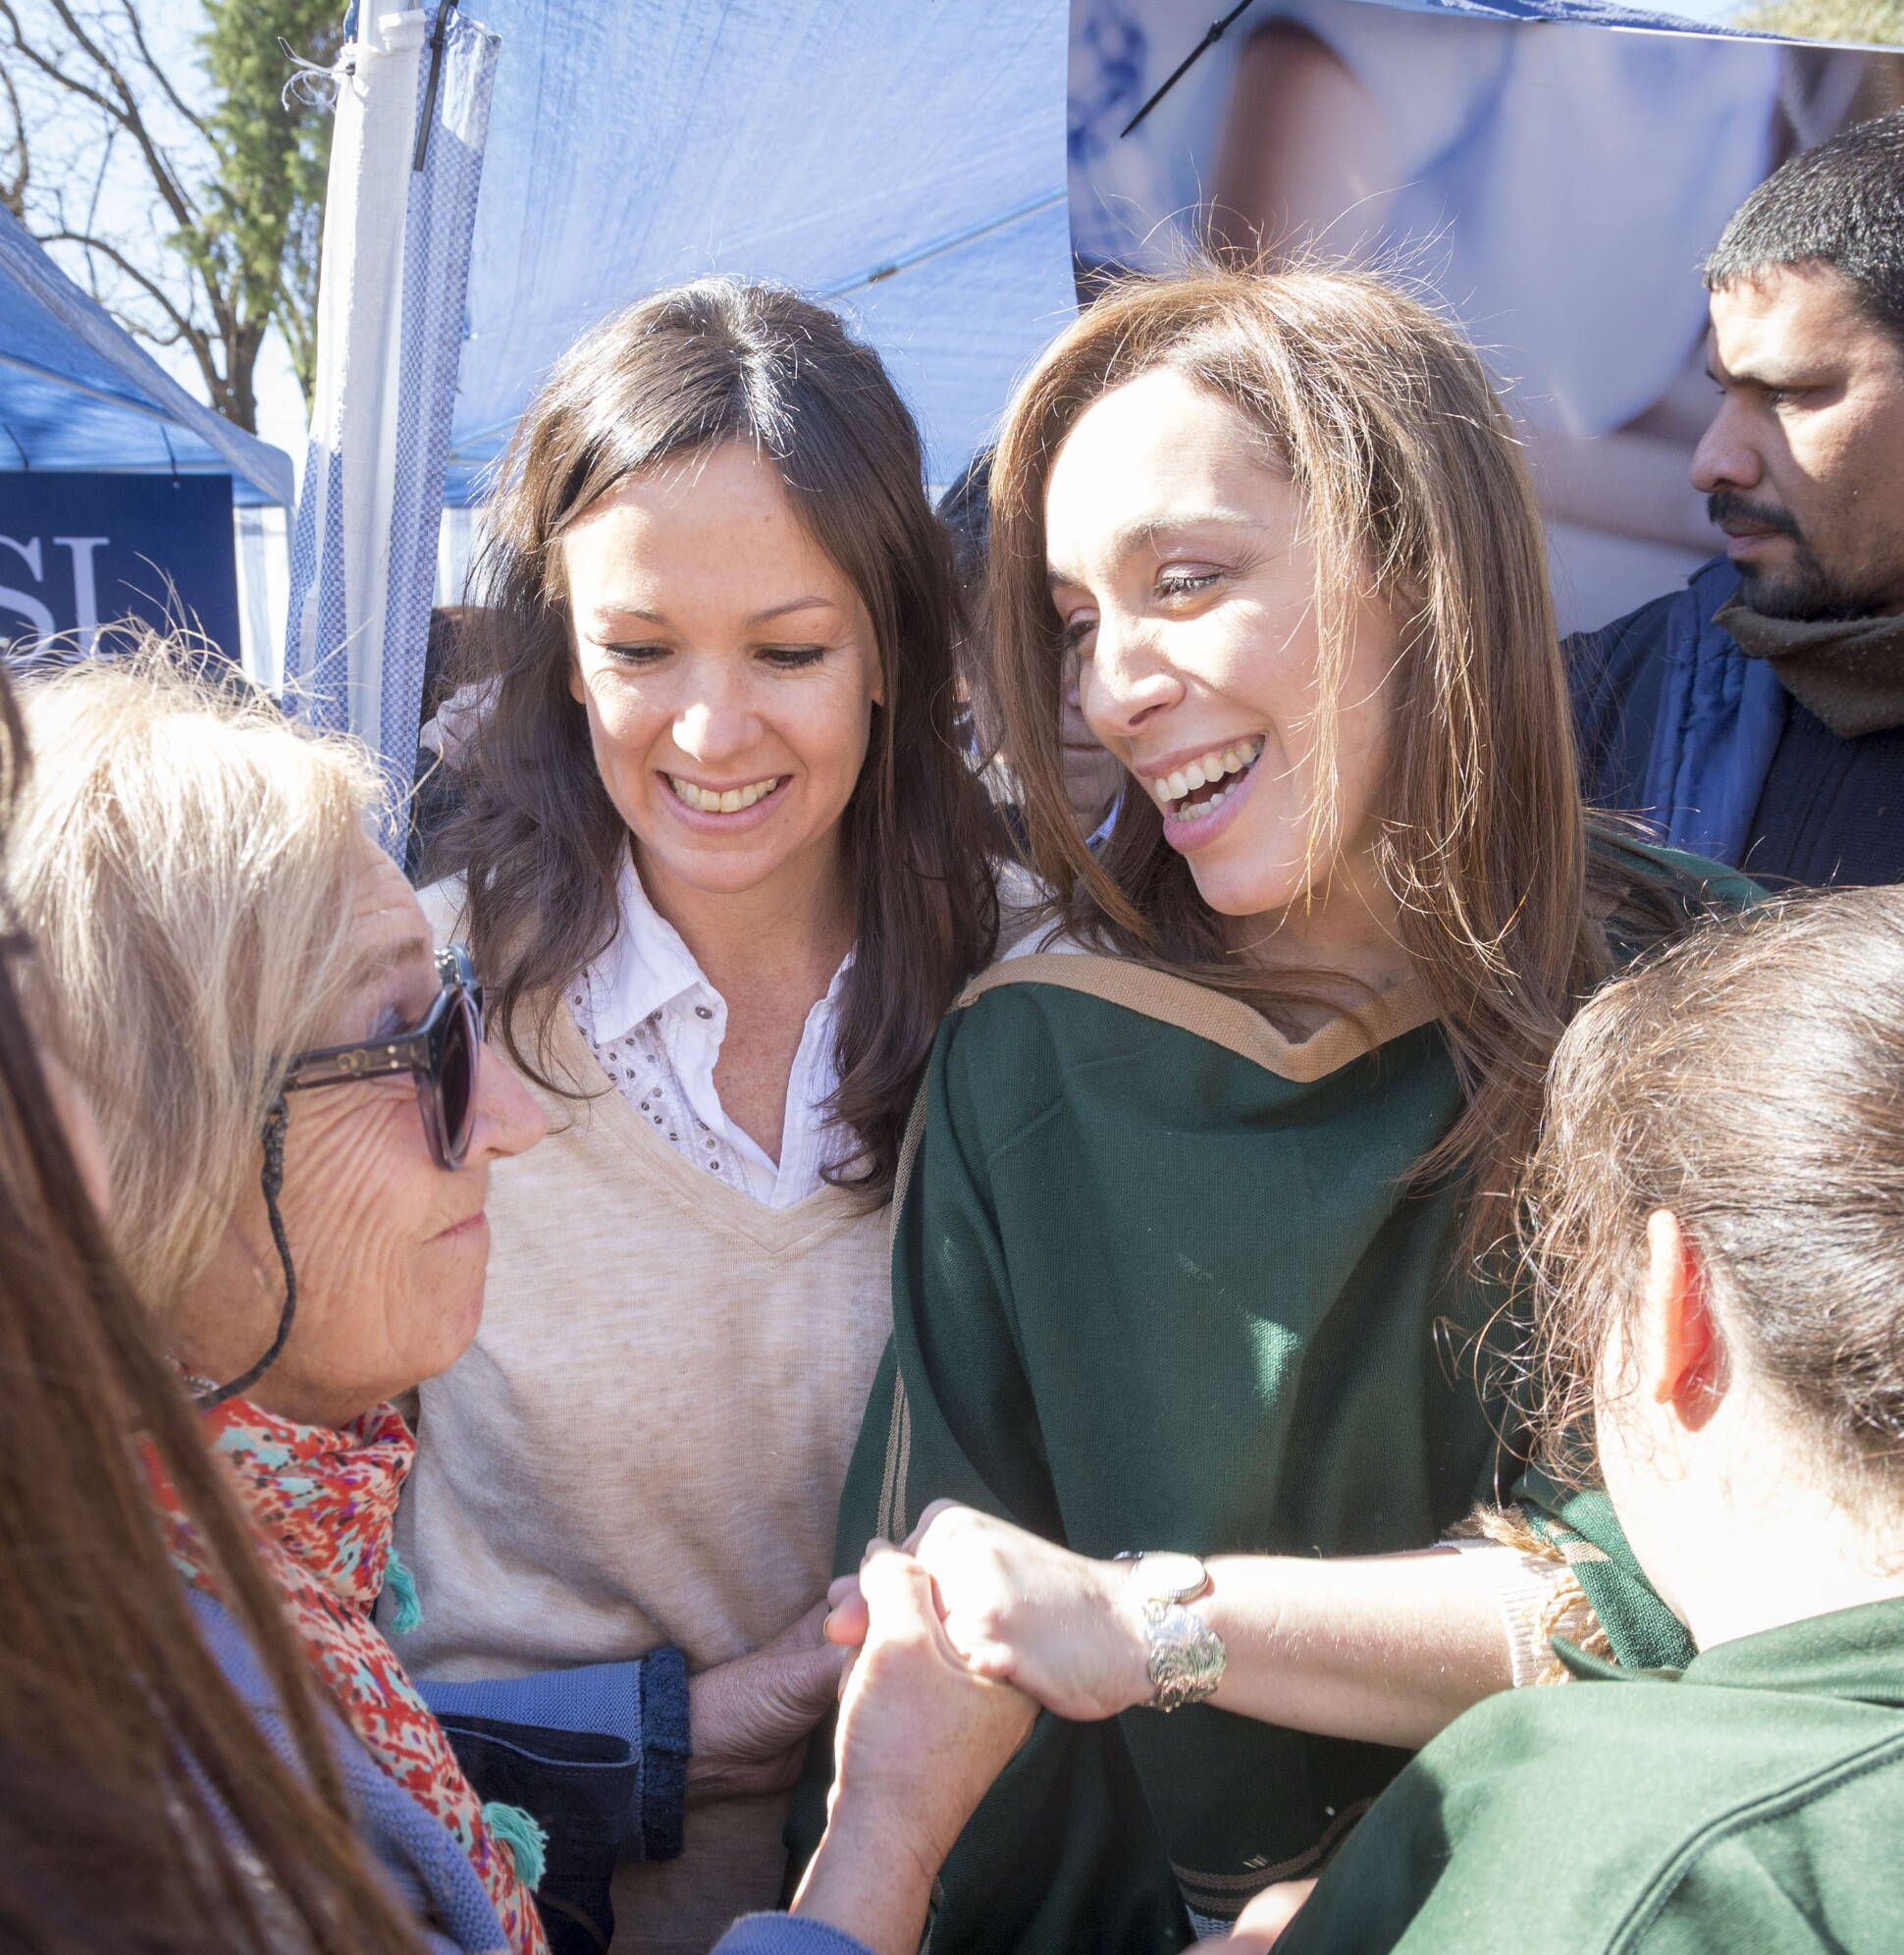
point(722, 867)
point(1186, 1257)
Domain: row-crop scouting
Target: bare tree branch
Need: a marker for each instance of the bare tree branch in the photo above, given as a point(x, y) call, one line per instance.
point(123, 108)
point(221, 247)
point(195, 335)
point(12, 192)
point(50, 67)
point(158, 74)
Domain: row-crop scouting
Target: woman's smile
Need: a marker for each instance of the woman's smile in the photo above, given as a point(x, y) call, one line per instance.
point(729, 671)
point(711, 808)
point(1200, 796)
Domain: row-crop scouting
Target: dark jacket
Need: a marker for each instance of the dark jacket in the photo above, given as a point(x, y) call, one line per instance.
point(1675, 722)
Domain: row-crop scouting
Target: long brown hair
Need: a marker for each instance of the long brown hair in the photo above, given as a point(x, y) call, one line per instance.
point(1413, 486)
point(1751, 1080)
point(141, 1807)
point(541, 844)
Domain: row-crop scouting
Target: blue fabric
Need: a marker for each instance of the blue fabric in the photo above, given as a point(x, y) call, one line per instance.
point(642, 1706)
point(907, 162)
point(1675, 722)
point(578, 1790)
point(785, 1934)
point(78, 392)
point(429, 1872)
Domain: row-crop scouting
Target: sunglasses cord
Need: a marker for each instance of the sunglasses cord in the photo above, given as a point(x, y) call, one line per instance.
point(271, 1181)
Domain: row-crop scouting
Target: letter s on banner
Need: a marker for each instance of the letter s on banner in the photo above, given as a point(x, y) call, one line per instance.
point(31, 608)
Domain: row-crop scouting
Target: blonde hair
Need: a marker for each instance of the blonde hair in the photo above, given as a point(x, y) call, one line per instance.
point(1413, 488)
point(183, 857)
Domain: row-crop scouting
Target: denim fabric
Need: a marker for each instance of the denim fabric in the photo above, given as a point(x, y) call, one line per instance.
point(1675, 722)
point(428, 1868)
point(644, 1705)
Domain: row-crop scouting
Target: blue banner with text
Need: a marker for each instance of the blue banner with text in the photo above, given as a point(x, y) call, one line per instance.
point(82, 552)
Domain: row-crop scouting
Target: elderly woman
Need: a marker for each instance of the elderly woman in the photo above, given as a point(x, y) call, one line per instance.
point(236, 973)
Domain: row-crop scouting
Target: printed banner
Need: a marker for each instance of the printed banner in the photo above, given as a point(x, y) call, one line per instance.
point(1556, 186)
point(79, 552)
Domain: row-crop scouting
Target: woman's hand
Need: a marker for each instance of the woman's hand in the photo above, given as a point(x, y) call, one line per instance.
point(1261, 1923)
point(1065, 1630)
point(748, 1720)
point(921, 1740)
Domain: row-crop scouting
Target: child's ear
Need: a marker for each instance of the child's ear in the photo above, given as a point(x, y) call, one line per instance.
point(1682, 1352)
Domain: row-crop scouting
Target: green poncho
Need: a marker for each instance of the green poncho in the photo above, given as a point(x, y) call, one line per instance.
point(1745, 1806)
point(1161, 1278)
point(1158, 1283)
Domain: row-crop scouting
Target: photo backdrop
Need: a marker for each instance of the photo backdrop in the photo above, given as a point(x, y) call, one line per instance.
point(1555, 186)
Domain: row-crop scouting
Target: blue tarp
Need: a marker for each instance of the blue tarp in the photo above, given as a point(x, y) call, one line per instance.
point(822, 143)
point(817, 141)
point(77, 391)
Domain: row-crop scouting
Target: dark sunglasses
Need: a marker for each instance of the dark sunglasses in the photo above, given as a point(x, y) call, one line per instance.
point(443, 1052)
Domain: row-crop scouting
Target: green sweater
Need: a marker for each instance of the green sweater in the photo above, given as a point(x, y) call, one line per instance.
point(1159, 1282)
point(1748, 1807)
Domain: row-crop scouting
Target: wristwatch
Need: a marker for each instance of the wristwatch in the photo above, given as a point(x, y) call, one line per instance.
point(1186, 1656)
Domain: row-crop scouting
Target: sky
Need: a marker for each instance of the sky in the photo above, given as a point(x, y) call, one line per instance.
point(125, 208)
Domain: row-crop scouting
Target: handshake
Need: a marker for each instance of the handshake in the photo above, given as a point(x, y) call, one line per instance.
point(958, 1637)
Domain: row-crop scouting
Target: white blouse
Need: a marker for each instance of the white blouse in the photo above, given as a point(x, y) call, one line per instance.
point(656, 1025)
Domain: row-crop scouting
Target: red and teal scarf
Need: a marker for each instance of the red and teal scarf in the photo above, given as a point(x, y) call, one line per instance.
point(324, 1499)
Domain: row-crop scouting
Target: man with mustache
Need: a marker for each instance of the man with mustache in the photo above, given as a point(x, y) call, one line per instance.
point(1757, 715)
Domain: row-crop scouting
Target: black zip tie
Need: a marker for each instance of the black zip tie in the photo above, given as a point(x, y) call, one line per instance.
point(271, 1181)
point(429, 115)
point(1210, 38)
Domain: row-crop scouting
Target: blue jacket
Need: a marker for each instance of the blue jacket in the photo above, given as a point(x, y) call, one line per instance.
point(1675, 722)
point(423, 1862)
point(429, 1870)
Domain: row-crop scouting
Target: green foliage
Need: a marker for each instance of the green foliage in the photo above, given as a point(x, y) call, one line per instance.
point(262, 211)
point(1881, 21)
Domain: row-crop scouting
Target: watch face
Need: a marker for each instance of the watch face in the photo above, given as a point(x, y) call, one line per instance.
point(1169, 1578)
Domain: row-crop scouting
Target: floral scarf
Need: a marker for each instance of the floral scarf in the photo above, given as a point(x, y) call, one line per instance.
point(325, 1502)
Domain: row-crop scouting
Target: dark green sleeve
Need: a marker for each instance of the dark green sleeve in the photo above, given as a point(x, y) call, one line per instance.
point(1046, 1863)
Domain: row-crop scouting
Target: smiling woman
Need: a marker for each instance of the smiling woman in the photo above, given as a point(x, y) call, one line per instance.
point(723, 868)
point(1186, 1260)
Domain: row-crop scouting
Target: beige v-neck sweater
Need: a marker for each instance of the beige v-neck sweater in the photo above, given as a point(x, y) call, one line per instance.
point(645, 1442)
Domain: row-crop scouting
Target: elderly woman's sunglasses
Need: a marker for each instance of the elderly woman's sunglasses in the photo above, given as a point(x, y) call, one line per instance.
point(443, 1052)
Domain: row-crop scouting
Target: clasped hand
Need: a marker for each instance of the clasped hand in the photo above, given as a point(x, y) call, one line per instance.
point(1013, 1609)
point(1063, 1628)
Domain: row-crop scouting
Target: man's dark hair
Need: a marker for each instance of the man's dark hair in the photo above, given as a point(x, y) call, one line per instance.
point(1840, 204)
point(965, 509)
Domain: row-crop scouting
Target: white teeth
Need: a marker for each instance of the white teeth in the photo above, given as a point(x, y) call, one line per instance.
point(729, 801)
point(1213, 767)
